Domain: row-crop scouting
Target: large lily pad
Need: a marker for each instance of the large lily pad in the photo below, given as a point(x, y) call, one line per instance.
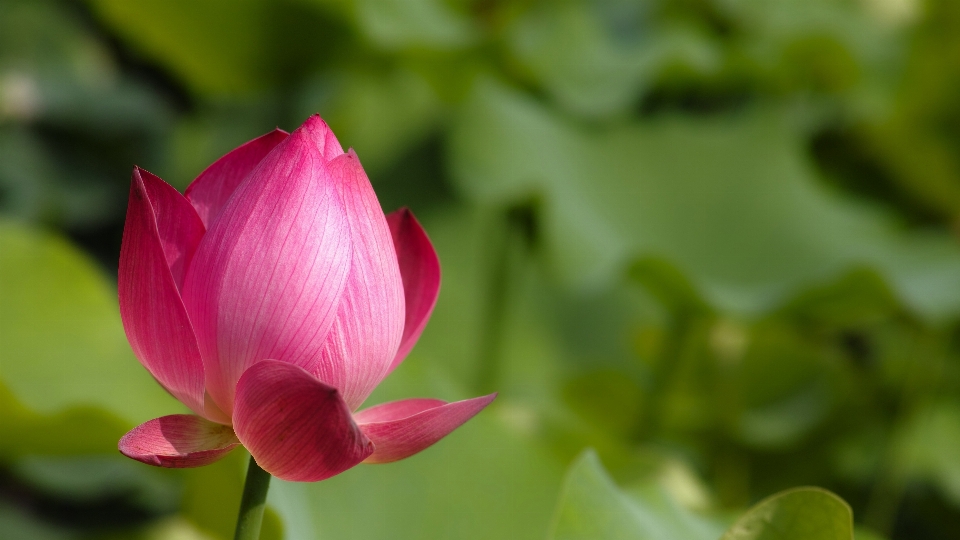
point(592, 507)
point(63, 343)
point(731, 200)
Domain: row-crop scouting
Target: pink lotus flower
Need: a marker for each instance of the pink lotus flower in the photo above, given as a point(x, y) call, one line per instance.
point(271, 300)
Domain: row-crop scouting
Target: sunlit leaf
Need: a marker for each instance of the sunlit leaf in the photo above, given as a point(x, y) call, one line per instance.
point(218, 46)
point(796, 514)
point(731, 200)
point(592, 506)
point(63, 344)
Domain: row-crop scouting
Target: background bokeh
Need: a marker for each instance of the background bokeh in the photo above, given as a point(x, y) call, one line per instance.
point(714, 240)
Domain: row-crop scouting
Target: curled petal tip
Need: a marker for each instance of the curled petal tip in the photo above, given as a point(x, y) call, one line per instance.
point(322, 136)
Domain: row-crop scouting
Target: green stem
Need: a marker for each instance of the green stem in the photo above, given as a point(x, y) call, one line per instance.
point(494, 324)
point(252, 504)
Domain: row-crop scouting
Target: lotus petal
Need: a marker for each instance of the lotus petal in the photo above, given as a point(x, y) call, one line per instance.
point(178, 440)
point(213, 188)
point(369, 324)
point(267, 278)
point(160, 236)
point(420, 270)
point(321, 134)
point(400, 429)
point(296, 427)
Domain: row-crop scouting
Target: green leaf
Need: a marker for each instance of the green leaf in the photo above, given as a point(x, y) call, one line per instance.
point(926, 447)
point(909, 142)
point(63, 343)
point(217, 46)
point(56, 72)
point(396, 24)
point(17, 524)
point(41, 38)
point(861, 533)
point(76, 478)
point(78, 430)
point(732, 201)
point(796, 514)
point(595, 59)
point(784, 422)
point(406, 26)
point(592, 507)
point(784, 399)
point(70, 386)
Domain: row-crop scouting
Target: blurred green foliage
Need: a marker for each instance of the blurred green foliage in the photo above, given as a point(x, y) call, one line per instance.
point(713, 240)
point(592, 506)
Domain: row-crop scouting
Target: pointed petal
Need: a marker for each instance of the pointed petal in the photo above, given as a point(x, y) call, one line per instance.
point(323, 137)
point(296, 427)
point(211, 190)
point(178, 440)
point(400, 429)
point(366, 334)
point(267, 278)
point(160, 236)
point(420, 269)
point(396, 410)
point(179, 229)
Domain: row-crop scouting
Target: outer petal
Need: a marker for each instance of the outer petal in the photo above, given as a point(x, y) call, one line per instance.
point(211, 190)
point(396, 410)
point(160, 236)
point(366, 334)
point(400, 429)
point(296, 427)
point(268, 276)
point(420, 269)
point(179, 440)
